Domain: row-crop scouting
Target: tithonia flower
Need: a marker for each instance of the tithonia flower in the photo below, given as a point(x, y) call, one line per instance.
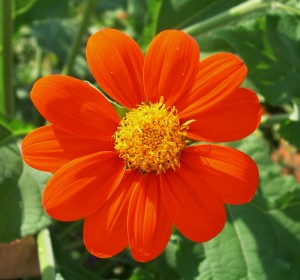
point(135, 178)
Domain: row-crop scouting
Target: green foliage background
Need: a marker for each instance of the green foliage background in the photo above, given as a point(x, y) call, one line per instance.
point(261, 240)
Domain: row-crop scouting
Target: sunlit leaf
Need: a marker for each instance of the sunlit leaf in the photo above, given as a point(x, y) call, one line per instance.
point(16, 126)
point(270, 48)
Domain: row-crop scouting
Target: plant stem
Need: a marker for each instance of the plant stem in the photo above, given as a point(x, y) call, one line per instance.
point(45, 253)
point(286, 8)
point(235, 13)
point(6, 90)
point(78, 38)
point(268, 120)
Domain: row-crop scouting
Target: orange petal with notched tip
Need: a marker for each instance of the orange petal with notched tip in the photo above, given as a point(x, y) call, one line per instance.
point(231, 174)
point(171, 64)
point(196, 210)
point(219, 76)
point(149, 226)
point(48, 148)
point(75, 107)
point(234, 118)
point(116, 62)
point(82, 186)
point(105, 231)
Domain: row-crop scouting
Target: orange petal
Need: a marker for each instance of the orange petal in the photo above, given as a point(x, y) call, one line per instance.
point(105, 231)
point(195, 210)
point(82, 186)
point(232, 119)
point(219, 76)
point(75, 107)
point(116, 62)
point(48, 148)
point(230, 173)
point(149, 227)
point(171, 64)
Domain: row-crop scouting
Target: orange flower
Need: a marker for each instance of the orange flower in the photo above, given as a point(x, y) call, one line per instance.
point(133, 179)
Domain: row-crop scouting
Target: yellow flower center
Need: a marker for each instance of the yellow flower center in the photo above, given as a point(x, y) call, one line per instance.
point(150, 138)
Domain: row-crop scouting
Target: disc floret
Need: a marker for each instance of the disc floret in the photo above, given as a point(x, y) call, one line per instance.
point(150, 138)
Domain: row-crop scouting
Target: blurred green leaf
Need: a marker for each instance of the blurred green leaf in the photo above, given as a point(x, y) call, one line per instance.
point(180, 14)
point(20, 197)
point(1, 60)
point(56, 36)
point(22, 212)
point(140, 273)
point(10, 162)
point(16, 126)
point(290, 131)
point(22, 6)
point(44, 9)
point(10, 171)
point(138, 13)
point(58, 277)
point(188, 256)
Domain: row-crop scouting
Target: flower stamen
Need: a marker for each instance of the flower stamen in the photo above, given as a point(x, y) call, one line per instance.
point(150, 138)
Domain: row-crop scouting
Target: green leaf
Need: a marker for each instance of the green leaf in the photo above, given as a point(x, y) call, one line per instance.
point(55, 35)
point(150, 21)
point(22, 212)
point(20, 192)
point(31, 185)
point(59, 277)
point(1, 61)
point(180, 14)
point(188, 256)
point(137, 11)
point(140, 273)
point(164, 267)
point(22, 6)
point(270, 48)
point(10, 162)
point(10, 171)
point(259, 239)
point(16, 126)
point(249, 246)
point(290, 131)
point(43, 9)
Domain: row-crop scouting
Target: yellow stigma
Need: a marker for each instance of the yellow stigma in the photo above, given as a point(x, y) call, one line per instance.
point(150, 138)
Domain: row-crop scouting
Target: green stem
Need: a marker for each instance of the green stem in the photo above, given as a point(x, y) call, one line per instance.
point(268, 120)
point(7, 98)
point(286, 8)
point(235, 13)
point(155, 14)
point(45, 253)
point(78, 38)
